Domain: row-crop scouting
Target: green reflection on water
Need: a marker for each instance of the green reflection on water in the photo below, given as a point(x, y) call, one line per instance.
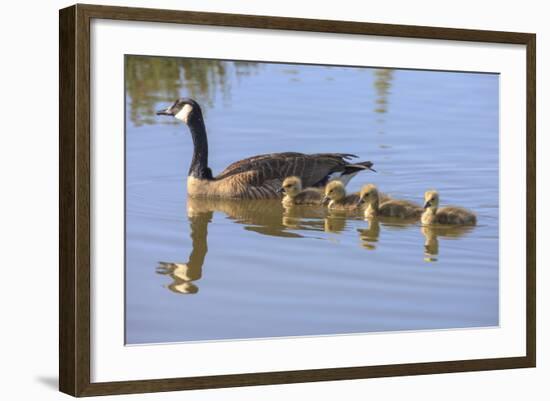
point(382, 84)
point(153, 79)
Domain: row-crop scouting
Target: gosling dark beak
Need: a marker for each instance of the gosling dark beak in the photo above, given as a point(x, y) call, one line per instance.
point(325, 200)
point(427, 205)
point(281, 190)
point(165, 112)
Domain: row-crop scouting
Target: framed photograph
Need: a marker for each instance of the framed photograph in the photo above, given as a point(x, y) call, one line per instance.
point(250, 200)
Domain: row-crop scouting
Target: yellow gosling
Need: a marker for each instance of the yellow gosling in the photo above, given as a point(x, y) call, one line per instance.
point(445, 215)
point(335, 193)
point(376, 204)
point(293, 194)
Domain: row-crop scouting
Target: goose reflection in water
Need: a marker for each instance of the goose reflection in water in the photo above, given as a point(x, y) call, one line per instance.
point(432, 233)
point(183, 275)
point(264, 217)
point(271, 218)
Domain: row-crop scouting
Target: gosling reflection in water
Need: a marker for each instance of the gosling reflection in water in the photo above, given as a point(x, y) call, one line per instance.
point(369, 236)
point(432, 233)
point(335, 223)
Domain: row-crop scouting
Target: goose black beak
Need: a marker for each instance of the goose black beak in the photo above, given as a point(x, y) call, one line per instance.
point(165, 112)
point(281, 190)
point(325, 200)
point(427, 205)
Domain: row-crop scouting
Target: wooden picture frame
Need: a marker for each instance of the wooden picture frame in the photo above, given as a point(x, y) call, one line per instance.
point(74, 203)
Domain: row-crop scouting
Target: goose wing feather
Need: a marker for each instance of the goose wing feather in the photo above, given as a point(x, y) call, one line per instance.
point(311, 168)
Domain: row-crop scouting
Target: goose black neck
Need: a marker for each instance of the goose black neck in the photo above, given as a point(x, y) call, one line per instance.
point(199, 164)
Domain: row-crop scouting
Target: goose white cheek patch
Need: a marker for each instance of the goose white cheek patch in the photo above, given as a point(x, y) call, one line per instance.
point(183, 114)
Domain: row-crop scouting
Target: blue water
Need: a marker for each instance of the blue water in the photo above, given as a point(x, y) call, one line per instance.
point(237, 270)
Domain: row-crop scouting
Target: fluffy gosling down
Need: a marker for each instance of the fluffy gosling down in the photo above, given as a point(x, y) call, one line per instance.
point(445, 215)
point(376, 205)
point(293, 194)
point(335, 193)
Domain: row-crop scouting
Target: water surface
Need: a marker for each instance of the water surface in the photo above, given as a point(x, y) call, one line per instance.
point(212, 270)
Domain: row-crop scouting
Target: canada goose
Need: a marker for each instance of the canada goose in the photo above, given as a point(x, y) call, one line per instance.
point(446, 215)
point(335, 192)
point(375, 206)
point(295, 195)
point(258, 177)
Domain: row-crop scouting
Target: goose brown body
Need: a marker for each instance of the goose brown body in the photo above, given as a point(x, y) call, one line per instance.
point(454, 215)
point(260, 177)
point(257, 177)
point(378, 205)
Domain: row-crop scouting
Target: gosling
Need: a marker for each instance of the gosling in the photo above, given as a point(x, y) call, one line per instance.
point(446, 215)
point(376, 205)
point(335, 194)
point(295, 195)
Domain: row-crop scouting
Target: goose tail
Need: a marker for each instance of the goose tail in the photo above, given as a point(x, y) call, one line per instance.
point(351, 171)
point(356, 167)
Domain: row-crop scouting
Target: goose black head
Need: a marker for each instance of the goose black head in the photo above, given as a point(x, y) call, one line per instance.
point(184, 109)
